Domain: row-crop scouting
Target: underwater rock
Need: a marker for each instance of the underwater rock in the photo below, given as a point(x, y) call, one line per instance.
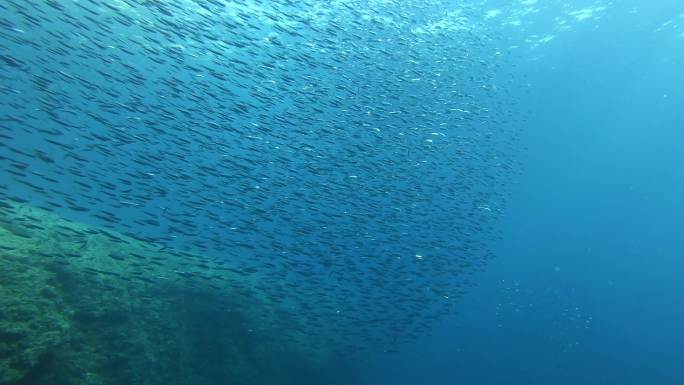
point(31, 324)
point(72, 314)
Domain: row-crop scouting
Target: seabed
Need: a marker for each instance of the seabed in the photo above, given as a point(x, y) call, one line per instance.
point(81, 305)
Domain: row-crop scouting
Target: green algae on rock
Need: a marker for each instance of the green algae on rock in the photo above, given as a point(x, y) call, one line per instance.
point(81, 305)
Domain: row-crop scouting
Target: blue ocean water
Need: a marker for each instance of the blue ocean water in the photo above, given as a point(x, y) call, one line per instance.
point(587, 286)
point(435, 192)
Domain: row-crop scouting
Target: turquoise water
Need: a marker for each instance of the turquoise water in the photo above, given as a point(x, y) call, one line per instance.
point(391, 192)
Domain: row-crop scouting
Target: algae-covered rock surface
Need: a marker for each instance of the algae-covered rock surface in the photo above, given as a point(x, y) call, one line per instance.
point(81, 305)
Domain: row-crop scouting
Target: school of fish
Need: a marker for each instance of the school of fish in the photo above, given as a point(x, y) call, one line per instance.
point(354, 155)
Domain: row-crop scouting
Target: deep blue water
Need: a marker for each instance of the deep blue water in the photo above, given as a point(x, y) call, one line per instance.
point(587, 287)
point(559, 180)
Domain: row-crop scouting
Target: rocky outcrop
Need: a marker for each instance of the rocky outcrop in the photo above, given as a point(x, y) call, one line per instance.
point(80, 305)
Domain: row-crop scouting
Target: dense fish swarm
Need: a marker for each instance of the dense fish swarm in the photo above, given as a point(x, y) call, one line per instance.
point(350, 156)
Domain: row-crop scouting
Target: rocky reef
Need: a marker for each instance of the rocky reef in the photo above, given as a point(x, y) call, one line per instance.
point(87, 306)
